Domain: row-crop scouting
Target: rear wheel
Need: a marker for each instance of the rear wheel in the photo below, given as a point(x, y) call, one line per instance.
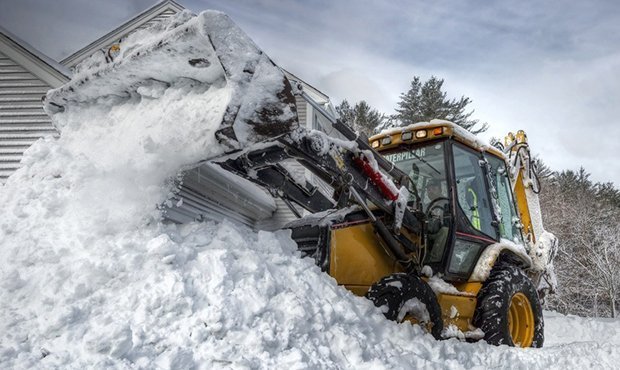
point(406, 297)
point(508, 310)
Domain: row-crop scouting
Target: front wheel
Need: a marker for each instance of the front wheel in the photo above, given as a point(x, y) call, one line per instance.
point(508, 309)
point(406, 297)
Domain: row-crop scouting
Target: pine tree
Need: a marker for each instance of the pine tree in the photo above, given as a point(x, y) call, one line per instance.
point(542, 170)
point(362, 117)
point(426, 101)
point(345, 111)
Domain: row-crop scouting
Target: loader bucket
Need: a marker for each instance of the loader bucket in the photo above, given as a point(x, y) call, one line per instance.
point(208, 49)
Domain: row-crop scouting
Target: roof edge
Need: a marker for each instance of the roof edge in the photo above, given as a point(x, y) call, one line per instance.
point(40, 64)
point(124, 27)
point(313, 89)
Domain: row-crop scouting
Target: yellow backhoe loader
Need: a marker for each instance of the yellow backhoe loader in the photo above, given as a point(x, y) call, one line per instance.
point(428, 223)
point(478, 258)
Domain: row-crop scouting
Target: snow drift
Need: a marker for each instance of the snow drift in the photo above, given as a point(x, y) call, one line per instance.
point(92, 279)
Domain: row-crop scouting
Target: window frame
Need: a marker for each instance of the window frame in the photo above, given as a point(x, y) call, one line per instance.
point(464, 230)
point(469, 228)
point(513, 201)
point(441, 265)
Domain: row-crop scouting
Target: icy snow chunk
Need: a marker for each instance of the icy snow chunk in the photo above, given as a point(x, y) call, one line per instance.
point(427, 271)
point(416, 309)
point(453, 312)
point(114, 339)
point(438, 285)
point(489, 256)
point(13, 281)
point(154, 89)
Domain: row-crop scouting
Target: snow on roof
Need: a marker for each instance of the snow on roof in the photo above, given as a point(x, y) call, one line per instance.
point(460, 132)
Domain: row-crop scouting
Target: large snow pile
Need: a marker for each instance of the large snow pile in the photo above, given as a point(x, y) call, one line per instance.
point(90, 278)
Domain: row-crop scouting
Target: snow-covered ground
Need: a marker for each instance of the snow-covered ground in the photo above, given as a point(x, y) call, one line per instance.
point(90, 277)
point(221, 296)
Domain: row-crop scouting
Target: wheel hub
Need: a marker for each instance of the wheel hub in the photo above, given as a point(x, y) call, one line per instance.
point(521, 320)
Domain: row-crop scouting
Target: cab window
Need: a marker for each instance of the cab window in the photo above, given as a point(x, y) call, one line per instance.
point(471, 191)
point(509, 220)
point(426, 168)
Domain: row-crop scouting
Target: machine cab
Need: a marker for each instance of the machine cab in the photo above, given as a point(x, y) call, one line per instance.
point(462, 188)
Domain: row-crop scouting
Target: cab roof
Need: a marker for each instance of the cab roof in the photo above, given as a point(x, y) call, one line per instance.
point(428, 131)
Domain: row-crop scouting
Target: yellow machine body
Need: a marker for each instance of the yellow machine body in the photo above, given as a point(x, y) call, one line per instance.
point(358, 259)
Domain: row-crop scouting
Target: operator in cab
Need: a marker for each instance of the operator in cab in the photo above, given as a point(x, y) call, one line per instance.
point(436, 204)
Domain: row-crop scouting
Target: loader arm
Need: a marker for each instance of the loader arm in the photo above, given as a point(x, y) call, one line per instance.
point(349, 167)
point(525, 185)
point(542, 245)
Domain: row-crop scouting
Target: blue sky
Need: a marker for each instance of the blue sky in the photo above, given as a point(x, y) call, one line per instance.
point(551, 68)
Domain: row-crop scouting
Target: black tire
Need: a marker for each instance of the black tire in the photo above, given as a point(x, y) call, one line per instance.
point(393, 291)
point(506, 285)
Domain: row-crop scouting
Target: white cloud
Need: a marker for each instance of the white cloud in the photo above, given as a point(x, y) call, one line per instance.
point(550, 68)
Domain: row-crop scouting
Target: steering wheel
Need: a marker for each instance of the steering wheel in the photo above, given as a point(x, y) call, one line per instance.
point(434, 205)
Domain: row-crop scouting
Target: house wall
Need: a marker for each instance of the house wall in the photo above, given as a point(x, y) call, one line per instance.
point(207, 192)
point(22, 119)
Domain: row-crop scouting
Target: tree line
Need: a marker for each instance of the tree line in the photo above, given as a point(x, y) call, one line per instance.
point(422, 102)
point(584, 215)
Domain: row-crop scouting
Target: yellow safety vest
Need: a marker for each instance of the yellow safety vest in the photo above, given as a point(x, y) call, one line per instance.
point(475, 215)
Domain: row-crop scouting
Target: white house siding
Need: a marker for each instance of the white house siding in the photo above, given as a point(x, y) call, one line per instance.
point(208, 192)
point(283, 213)
point(22, 119)
point(302, 111)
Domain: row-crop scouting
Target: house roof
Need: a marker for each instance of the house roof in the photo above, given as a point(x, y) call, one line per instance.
point(316, 94)
point(122, 30)
point(32, 59)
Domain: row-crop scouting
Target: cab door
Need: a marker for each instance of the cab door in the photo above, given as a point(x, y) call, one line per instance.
point(509, 223)
point(476, 226)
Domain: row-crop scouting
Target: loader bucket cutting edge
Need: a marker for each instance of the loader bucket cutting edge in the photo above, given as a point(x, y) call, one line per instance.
point(207, 49)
